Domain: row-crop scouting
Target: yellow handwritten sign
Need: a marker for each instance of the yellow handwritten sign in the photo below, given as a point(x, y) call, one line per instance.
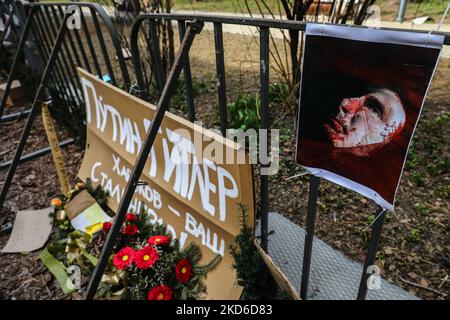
point(193, 180)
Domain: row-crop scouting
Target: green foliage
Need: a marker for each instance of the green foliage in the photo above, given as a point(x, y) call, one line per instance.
point(279, 92)
point(422, 209)
point(179, 99)
point(439, 167)
point(413, 159)
point(138, 282)
point(370, 218)
point(414, 235)
point(64, 230)
point(244, 113)
point(98, 193)
point(418, 179)
point(222, 5)
point(252, 272)
point(446, 191)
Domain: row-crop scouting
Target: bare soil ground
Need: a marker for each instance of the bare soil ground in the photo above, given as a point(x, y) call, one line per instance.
point(414, 251)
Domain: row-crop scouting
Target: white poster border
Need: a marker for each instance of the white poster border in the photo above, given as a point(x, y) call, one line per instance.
point(427, 40)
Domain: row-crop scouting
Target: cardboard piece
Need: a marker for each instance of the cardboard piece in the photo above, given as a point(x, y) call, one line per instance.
point(78, 204)
point(16, 94)
point(30, 232)
point(198, 200)
point(278, 275)
point(85, 214)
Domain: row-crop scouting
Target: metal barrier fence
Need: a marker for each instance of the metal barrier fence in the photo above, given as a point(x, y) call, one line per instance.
point(12, 20)
point(13, 15)
point(189, 25)
point(264, 32)
point(63, 50)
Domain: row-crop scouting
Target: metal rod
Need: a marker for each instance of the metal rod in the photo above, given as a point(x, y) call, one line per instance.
point(14, 66)
point(220, 71)
point(45, 53)
point(155, 55)
point(67, 56)
point(268, 23)
point(401, 10)
point(60, 67)
point(34, 110)
point(309, 236)
point(187, 75)
point(103, 47)
point(193, 29)
point(371, 252)
point(264, 124)
point(71, 42)
point(135, 57)
point(14, 116)
point(80, 45)
point(89, 43)
point(35, 154)
point(46, 47)
point(64, 56)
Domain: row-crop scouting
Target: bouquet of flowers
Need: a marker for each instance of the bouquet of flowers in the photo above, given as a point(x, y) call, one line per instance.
point(148, 264)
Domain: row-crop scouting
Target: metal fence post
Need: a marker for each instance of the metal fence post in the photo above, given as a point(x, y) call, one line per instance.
point(372, 251)
point(401, 10)
point(220, 76)
point(168, 90)
point(155, 55)
point(264, 125)
point(187, 76)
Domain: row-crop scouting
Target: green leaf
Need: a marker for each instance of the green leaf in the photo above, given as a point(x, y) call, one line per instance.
point(58, 270)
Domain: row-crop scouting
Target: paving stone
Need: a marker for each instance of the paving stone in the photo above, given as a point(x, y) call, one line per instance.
point(333, 276)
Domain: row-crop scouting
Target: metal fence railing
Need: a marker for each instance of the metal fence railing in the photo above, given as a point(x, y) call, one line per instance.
point(62, 50)
point(264, 26)
point(59, 47)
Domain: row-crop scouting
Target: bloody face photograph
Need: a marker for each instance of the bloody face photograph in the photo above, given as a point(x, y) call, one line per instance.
point(361, 95)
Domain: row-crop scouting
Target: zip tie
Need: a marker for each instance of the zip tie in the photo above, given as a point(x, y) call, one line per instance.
point(296, 176)
point(384, 210)
point(134, 87)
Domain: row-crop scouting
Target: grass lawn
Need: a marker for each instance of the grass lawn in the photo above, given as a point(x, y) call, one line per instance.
point(432, 8)
point(227, 5)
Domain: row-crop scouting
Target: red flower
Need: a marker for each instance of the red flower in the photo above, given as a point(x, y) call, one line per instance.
point(106, 226)
point(160, 293)
point(130, 217)
point(183, 270)
point(146, 257)
point(130, 230)
point(123, 258)
point(159, 240)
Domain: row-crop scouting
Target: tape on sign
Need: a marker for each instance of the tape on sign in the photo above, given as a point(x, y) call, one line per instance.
point(56, 151)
